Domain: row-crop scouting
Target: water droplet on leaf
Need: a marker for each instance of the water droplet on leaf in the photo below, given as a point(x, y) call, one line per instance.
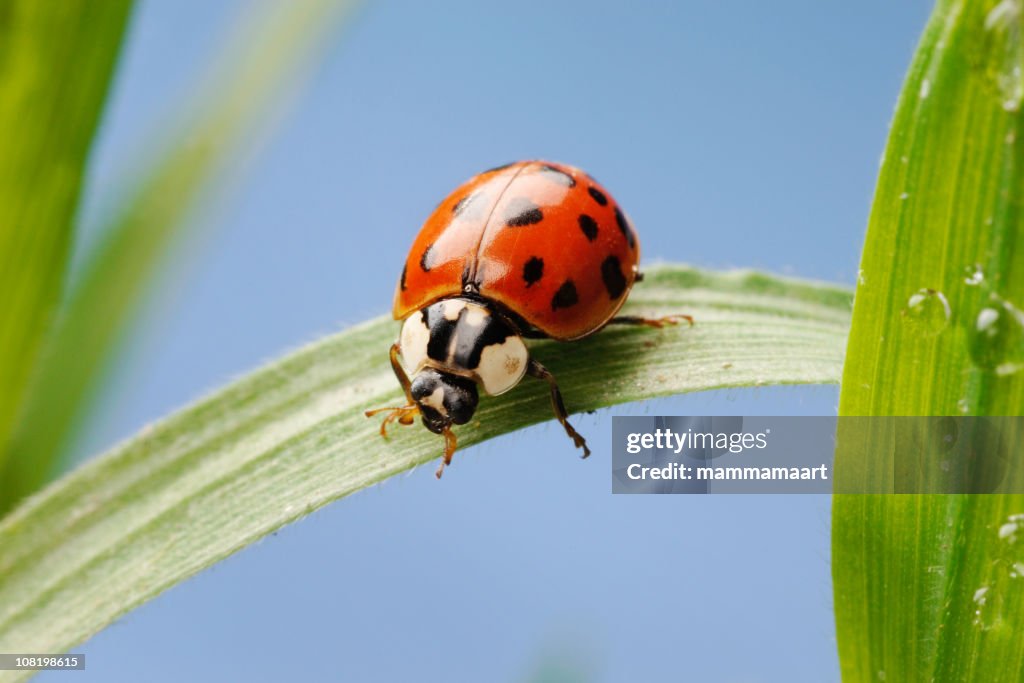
point(927, 311)
point(974, 275)
point(1008, 531)
point(996, 341)
point(1004, 52)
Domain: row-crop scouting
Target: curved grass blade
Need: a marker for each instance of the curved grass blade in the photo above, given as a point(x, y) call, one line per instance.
point(927, 587)
point(291, 437)
point(266, 63)
point(56, 61)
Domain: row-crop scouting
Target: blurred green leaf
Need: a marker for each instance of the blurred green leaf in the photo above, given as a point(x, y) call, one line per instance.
point(267, 61)
point(56, 61)
point(928, 588)
point(291, 437)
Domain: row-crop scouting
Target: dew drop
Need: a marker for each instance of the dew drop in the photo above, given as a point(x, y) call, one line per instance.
point(980, 598)
point(1006, 52)
point(987, 318)
point(1008, 530)
point(1005, 12)
point(974, 275)
point(997, 595)
point(904, 195)
point(926, 88)
point(1013, 89)
point(996, 341)
point(963, 406)
point(927, 311)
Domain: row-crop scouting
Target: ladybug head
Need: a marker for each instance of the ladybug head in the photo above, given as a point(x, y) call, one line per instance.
point(444, 399)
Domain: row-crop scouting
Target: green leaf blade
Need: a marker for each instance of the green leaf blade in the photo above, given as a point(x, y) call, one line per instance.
point(944, 244)
point(291, 437)
point(268, 60)
point(56, 63)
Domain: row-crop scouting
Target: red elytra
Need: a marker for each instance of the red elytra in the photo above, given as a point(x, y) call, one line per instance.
point(532, 249)
point(543, 240)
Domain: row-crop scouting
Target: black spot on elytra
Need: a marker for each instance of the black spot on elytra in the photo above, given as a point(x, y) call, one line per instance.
point(627, 231)
point(598, 196)
point(521, 211)
point(614, 280)
point(427, 259)
point(565, 297)
point(401, 282)
point(589, 226)
point(533, 270)
point(499, 168)
point(558, 175)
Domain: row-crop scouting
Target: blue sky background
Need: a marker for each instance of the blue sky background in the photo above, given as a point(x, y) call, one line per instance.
point(735, 134)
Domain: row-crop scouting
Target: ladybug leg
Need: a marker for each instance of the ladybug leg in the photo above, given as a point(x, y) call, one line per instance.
point(651, 322)
point(403, 378)
point(403, 414)
point(537, 370)
point(450, 444)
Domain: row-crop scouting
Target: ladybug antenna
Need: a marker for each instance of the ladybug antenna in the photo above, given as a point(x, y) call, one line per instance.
point(450, 444)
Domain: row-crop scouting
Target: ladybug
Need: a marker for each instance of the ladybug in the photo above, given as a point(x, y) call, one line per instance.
point(532, 249)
